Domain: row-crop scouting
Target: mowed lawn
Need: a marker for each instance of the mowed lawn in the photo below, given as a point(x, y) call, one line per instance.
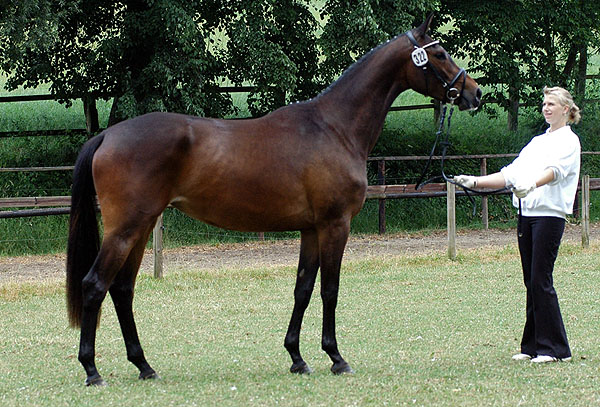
point(422, 331)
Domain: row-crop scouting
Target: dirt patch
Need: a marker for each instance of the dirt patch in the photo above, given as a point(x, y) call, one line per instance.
point(256, 254)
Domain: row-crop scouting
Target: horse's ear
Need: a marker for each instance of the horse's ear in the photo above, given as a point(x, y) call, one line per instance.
point(423, 28)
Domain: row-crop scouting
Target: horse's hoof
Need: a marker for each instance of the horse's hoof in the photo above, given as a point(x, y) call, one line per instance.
point(301, 368)
point(96, 381)
point(341, 368)
point(149, 376)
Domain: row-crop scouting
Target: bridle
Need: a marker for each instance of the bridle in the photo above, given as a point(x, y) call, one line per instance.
point(420, 59)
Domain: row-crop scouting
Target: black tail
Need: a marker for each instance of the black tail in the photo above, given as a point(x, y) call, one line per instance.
point(84, 239)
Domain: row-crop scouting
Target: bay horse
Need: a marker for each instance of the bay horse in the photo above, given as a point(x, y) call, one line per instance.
point(301, 167)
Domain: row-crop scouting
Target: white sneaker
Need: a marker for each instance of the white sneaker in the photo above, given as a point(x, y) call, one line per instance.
point(549, 359)
point(522, 356)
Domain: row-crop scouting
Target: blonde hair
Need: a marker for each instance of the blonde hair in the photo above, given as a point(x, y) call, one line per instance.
point(565, 99)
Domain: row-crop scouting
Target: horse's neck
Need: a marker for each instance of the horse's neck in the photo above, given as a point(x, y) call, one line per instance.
point(357, 104)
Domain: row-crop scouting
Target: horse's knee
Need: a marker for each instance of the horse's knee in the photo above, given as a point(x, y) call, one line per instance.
point(329, 296)
point(86, 355)
point(302, 297)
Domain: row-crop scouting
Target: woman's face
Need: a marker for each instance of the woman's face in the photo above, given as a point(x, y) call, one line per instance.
point(554, 113)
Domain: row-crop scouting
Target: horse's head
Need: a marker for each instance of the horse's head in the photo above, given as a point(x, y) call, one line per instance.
point(432, 72)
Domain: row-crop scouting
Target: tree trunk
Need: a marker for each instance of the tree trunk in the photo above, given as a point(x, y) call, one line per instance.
point(114, 117)
point(569, 65)
point(91, 115)
point(513, 108)
point(137, 55)
point(581, 73)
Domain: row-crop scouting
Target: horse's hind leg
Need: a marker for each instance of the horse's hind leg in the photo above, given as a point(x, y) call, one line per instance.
point(121, 292)
point(113, 253)
point(305, 282)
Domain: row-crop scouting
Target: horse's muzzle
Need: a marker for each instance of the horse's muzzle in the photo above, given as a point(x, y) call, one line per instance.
point(470, 100)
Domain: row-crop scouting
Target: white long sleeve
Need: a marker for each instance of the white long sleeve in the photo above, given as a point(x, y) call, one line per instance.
point(559, 150)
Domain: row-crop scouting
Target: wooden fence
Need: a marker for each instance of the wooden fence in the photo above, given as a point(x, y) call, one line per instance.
point(54, 205)
point(44, 206)
point(382, 191)
point(91, 114)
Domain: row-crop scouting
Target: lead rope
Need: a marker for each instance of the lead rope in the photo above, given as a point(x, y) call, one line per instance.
point(520, 224)
point(445, 143)
point(420, 183)
point(421, 60)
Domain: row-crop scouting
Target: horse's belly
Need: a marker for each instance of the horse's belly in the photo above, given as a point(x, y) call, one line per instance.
point(246, 215)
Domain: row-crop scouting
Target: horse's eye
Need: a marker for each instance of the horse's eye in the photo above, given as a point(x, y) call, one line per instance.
point(441, 56)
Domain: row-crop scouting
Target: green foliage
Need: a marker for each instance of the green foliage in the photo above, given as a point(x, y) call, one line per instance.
point(521, 46)
point(280, 35)
point(170, 55)
point(352, 28)
point(166, 64)
point(35, 235)
point(149, 55)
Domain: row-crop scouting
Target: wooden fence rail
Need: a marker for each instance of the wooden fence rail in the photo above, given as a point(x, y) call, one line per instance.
point(91, 114)
point(373, 192)
point(54, 205)
point(429, 191)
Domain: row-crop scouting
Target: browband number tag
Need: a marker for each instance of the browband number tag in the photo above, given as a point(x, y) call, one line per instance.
point(419, 57)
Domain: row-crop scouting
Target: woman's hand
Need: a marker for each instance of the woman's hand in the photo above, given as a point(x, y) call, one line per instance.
point(524, 189)
point(468, 181)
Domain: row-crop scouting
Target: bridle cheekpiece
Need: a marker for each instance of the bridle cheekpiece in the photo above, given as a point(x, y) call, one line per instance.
point(421, 60)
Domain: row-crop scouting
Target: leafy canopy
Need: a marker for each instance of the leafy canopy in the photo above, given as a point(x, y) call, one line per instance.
point(173, 54)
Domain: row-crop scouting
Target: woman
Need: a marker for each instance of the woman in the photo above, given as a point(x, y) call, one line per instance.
point(543, 179)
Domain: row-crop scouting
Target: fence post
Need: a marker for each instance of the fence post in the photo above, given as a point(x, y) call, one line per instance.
point(381, 181)
point(437, 111)
point(585, 211)
point(451, 206)
point(484, 198)
point(157, 246)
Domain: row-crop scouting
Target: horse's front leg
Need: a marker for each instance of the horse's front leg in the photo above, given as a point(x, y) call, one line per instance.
point(305, 282)
point(332, 241)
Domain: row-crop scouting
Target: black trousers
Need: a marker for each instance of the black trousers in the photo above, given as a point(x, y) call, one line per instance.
point(544, 333)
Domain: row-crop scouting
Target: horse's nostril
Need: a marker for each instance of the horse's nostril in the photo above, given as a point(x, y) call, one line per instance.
point(479, 93)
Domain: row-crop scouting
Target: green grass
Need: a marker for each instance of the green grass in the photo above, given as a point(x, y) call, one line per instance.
point(417, 330)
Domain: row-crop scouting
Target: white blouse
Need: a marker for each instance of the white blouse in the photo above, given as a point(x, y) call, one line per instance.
point(559, 150)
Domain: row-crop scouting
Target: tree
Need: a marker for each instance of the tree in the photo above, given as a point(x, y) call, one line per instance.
point(272, 45)
point(171, 55)
point(148, 55)
point(520, 46)
point(159, 55)
point(353, 28)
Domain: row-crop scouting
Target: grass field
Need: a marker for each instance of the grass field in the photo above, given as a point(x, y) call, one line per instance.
point(422, 331)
